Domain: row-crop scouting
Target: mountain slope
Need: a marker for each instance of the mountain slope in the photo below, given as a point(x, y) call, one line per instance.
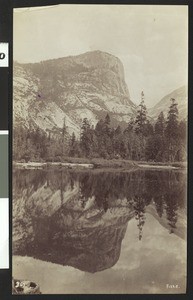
point(181, 97)
point(88, 85)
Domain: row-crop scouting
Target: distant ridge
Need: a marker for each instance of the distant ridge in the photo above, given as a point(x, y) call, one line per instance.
point(181, 97)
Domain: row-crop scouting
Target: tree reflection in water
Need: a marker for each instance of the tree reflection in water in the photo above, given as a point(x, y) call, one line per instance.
point(80, 218)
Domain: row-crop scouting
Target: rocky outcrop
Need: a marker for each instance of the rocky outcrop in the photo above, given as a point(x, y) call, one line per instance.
point(88, 85)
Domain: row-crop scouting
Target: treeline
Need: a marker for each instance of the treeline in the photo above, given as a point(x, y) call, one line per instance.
point(34, 144)
point(142, 140)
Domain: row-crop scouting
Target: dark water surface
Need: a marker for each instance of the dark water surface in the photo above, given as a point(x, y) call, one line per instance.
point(100, 232)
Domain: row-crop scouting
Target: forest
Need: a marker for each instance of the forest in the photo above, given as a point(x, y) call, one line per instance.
point(143, 139)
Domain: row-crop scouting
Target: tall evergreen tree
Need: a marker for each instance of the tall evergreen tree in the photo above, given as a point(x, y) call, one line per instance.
point(85, 139)
point(130, 126)
point(72, 151)
point(99, 127)
point(160, 124)
point(85, 125)
point(139, 207)
point(172, 120)
point(182, 131)
point(155, 147)
point(64, 128)
point(107, 124)
point(141, 117)
point(107, 120)
point(171, 131)
point(148, 129)
point(123, 149)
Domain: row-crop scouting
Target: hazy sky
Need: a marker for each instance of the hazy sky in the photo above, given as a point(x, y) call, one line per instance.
point(151, 41)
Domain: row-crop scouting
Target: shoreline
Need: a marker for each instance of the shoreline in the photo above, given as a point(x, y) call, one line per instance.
point(94, 164)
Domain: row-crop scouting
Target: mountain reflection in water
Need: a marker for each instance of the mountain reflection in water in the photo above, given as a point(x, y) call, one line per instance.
point(79, 219)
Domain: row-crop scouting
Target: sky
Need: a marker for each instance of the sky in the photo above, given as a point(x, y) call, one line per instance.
point(150, 40)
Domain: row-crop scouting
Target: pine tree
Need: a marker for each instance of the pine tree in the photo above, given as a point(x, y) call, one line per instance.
point(123, 149)
point(129, 137)
point(64, 128)
point(72, 145)
point(182, 131)
point(107, 124)
point(142, 129)
point(116, 142)
point(148, 129)
point(64, 138)
point(171, 131)
point(155, 148)
point(99, 127)
point(85, 125)
point(159, 204)
point(160, 124)
point(85, 141)
point(139, 207)
point(130, 126)
point(171, 211)
point(141, 117)
point(107, 120)
point(172, 120)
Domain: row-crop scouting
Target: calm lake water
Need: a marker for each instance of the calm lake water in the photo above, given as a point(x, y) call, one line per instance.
point(100, 232)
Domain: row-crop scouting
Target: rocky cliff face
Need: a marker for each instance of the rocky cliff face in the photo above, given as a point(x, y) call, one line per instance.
point(88, 85)
point(181, 97)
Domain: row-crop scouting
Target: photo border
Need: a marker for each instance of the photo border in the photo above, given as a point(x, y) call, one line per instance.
point(6, 34)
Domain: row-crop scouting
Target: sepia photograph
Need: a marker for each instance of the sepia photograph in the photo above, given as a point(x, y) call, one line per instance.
point(100, 118)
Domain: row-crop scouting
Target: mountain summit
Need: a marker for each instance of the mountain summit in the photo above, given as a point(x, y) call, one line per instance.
point(89, 85)
point(181, 97)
